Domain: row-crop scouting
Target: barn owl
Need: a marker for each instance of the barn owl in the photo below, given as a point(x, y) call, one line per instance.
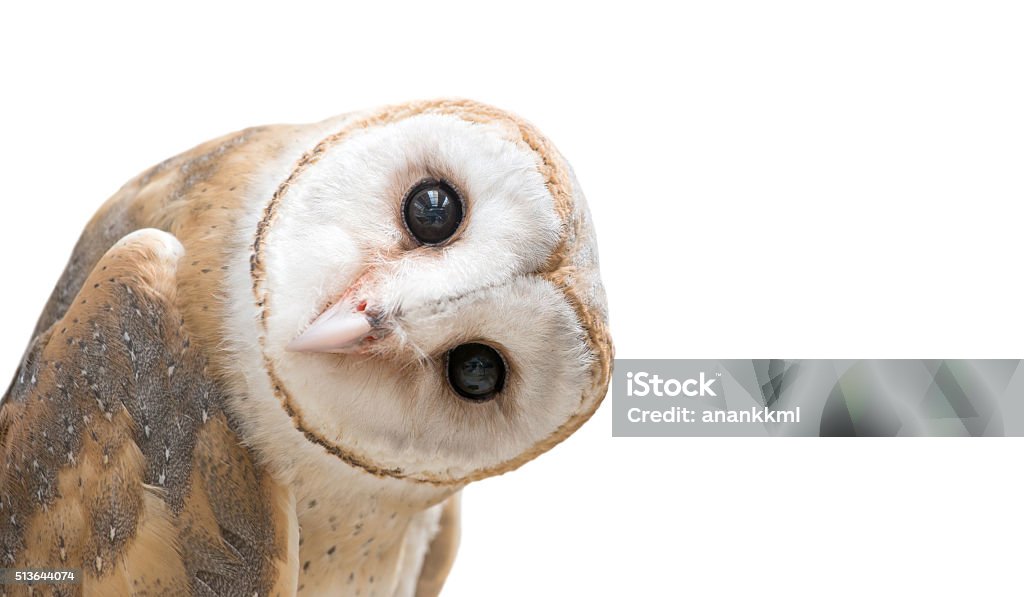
point(274, 361)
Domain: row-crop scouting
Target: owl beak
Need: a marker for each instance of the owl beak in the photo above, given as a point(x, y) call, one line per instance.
point(339, 330)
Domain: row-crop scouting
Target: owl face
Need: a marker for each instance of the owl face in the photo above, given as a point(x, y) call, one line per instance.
point(427, 302)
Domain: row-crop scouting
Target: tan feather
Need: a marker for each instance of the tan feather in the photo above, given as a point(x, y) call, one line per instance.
point(441, 554)
point(168, 495)
point(110, 464)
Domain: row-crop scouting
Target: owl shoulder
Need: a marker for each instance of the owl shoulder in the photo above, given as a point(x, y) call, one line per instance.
point(116, 456)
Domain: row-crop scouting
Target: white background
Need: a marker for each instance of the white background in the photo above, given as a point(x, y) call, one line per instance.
point(782, 179)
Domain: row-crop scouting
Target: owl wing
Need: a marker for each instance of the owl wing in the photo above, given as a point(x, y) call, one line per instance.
point(117, 457)
point(441, 552)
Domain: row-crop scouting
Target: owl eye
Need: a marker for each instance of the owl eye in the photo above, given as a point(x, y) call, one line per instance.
point(432, 212)
point(475, 371)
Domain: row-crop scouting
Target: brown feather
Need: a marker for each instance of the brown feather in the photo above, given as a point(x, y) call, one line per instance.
point(200, 196)
point(118, 457)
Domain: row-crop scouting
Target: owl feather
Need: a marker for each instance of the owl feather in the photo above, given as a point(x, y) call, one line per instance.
point(172, 428)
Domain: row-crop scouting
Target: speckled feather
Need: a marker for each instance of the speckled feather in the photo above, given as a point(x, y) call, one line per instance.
point(118, 456)
point(197, 196)
point(179, 497)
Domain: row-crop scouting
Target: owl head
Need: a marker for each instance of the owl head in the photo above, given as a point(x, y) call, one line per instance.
point(426, 286)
